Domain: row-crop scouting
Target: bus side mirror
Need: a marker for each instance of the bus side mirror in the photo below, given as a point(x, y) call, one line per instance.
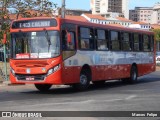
point(4, 41)
point(69, 39)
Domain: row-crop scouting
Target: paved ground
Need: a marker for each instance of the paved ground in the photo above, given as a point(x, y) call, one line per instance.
point(113, 96)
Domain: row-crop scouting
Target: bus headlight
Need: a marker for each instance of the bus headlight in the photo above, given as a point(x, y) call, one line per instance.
point(12, 71)
point(52, 70)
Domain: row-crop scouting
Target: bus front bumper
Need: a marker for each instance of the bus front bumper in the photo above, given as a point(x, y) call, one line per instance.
point(54, 78)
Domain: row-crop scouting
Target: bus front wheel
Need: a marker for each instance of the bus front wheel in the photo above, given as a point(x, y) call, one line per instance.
point(43, 87)
point(84, 81)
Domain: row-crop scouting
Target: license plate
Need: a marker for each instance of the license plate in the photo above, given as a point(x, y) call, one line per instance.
point(29, 78)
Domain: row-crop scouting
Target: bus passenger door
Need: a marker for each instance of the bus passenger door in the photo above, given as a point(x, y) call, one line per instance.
point(69, 73)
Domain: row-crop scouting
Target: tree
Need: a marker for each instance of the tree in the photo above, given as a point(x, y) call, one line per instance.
point(23, 8)
point(157, 34)
point(4, 18)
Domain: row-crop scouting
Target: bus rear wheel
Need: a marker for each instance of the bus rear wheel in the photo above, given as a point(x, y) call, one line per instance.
point(84, 81)
point(43, 87)
point(133, 76)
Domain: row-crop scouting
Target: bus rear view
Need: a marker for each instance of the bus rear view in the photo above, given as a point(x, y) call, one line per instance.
point(35, 52)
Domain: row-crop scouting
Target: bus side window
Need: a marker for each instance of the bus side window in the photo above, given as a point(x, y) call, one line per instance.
point(152, 42)
point(146, 44)
point(115, 41)
point(136, 42)
point(65, 44)
point(131, 41)
point(101, 40)
point(86, 38)
point(125, 41)
point(141, 43)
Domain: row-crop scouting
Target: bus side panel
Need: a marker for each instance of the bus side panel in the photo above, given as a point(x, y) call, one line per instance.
point(70, 74)
point(107, 72)
point(98, 72)
point(106, 65)
point(140, 69)
point(145, 69)
point(120, 71)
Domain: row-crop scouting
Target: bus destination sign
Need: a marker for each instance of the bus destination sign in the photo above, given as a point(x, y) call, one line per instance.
point(34, 23)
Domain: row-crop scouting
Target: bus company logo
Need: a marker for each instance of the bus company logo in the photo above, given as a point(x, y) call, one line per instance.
point(28, 70)
point(6, 114)
point(43, 69)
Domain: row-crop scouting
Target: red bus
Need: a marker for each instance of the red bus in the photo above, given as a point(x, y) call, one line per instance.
point(55, 51)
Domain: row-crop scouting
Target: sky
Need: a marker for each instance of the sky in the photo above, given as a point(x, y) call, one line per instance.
point(85, 4)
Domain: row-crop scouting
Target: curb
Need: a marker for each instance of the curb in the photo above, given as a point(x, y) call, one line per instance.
point(8, 83)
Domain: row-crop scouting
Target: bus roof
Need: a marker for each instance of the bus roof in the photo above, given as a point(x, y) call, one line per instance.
point(89, 24)
point(107, 26)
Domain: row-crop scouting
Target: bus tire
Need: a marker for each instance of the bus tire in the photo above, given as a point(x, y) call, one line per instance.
point(43, 87)
point(133, 75)
point(84, 81)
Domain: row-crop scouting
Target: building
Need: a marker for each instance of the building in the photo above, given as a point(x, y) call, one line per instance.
point(73, 12)
point(95, 18)
point(142, 14)
point(123, 21)
point(118, 21)
point(78, 18)
point(76, 12)
point(146, 14)
point(110, 8)
point(156, 14)
point(140, 25)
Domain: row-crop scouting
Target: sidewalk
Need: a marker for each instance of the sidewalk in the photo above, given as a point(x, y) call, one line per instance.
point(157, 68)
point(8, 83)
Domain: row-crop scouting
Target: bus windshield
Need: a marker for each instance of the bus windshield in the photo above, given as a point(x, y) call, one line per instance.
point(32, 45)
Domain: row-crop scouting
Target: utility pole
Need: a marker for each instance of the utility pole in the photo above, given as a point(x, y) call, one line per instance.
point(4, 42)
point(63, 9)
point(5, 62)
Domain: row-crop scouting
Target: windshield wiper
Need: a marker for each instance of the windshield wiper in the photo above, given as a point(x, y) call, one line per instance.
point(48, 40)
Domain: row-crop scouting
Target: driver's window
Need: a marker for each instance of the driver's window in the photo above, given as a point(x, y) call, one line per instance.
point(68, 45)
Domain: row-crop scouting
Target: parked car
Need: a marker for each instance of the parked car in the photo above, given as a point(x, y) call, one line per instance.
point(157, 57)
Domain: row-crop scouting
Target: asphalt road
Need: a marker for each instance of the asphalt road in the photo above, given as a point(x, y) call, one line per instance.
point(113, 96)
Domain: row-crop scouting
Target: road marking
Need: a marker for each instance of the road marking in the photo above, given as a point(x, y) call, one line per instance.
point(91, 101)
point(111, 100)
point(130, 97)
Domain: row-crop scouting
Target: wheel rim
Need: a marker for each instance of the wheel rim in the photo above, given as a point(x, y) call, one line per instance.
point(83, 79)
point(134, 75)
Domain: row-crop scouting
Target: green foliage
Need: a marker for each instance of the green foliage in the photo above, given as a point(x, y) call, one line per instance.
point(157, 34)
point(22, 8)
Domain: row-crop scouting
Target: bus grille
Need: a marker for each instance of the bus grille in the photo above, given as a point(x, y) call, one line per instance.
point(39, 77)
